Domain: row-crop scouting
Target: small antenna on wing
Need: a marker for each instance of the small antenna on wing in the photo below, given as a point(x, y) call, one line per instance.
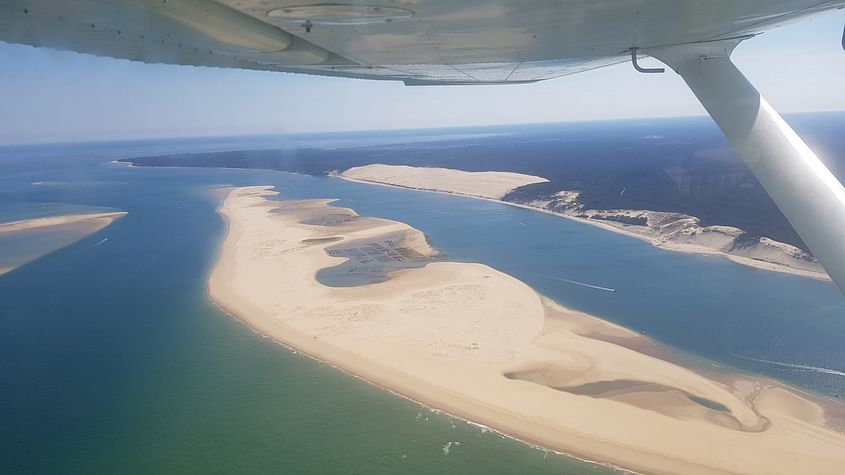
point(640, 68)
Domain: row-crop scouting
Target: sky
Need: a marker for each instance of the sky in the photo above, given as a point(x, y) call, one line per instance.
point(57, 96)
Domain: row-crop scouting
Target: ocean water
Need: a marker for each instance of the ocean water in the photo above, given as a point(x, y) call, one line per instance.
point(112, 359)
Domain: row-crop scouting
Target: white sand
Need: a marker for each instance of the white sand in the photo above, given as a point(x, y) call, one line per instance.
point(446, 335)
point(51, 221)
point(493, 185)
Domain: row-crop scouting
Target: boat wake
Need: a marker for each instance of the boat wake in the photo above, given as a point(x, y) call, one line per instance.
point(800, 367)
point(581, 284)
point(92, 246)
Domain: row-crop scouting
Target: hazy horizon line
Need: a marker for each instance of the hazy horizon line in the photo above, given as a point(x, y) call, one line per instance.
point(127, 139)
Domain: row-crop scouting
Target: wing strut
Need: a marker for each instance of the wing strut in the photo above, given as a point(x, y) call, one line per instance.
point(807, 193)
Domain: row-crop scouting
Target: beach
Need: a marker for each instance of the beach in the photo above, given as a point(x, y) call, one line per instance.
point(670, 231)
point(474, 342)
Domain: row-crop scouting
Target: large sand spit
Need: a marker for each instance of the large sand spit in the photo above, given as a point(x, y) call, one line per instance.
point(477, 343)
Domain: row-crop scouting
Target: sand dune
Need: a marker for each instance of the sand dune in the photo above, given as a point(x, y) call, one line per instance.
point(477, 343)
point(672, 231)
point(494, 185)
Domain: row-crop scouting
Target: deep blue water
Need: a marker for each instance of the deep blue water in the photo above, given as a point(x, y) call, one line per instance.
point(113, 360)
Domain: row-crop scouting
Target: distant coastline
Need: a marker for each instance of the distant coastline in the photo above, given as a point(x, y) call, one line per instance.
point(479, 344)
point(686, 236)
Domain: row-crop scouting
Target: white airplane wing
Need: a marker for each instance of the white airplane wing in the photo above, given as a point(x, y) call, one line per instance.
point(417, 41)
point(476, 42)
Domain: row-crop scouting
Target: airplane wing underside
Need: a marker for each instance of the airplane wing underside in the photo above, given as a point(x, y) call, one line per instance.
point(416, 41)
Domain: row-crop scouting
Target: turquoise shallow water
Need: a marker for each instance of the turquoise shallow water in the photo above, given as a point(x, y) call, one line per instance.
point(112, 360)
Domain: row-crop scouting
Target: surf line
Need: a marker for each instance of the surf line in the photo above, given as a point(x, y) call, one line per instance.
point(815, 369)
point(581, 284)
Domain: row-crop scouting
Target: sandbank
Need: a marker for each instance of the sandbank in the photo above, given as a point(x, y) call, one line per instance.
point(70, 228)
point(476, 343)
